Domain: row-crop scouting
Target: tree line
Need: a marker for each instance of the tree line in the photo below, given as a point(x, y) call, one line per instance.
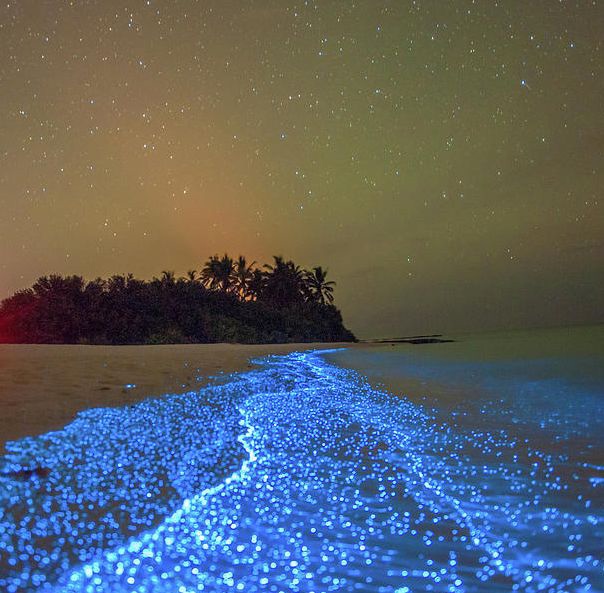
point(228, 300)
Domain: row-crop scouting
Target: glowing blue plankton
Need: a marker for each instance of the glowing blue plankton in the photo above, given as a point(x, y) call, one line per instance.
point(295, 477)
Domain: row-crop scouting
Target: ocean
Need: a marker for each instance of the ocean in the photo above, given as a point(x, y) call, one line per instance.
point(470, 466)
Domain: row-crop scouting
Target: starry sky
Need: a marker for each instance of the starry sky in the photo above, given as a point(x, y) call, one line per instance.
point(444, 160)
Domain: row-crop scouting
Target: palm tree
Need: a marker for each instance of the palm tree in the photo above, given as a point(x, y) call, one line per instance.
point(292, 304)
point(242, 275)
point(209, 272)
point(284, 283)
point(55, 285)
point(256, 283)
point(61, 305)
point(168, 278)
point(217, 273)
point(320, 288)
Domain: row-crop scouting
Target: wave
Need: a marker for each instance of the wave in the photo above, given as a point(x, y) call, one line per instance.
point(318, 482)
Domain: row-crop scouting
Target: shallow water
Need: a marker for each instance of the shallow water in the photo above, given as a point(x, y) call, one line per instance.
point(299, 476)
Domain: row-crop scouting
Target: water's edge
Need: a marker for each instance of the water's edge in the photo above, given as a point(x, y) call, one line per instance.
point(296, 475)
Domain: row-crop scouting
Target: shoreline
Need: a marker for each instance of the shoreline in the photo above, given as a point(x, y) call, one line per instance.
point(318, 436)
point(43, 386)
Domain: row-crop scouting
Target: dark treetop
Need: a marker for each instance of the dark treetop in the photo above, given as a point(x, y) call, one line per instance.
point(227, 301)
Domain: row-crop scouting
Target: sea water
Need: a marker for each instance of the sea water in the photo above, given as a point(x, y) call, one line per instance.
point(304, 476)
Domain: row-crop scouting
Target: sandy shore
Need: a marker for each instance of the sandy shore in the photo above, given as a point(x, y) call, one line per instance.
point(42, 387)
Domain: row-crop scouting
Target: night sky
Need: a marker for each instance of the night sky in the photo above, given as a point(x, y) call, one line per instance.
point(445, 160)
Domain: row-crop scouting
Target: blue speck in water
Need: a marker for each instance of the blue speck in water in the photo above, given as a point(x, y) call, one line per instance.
point(298, 476)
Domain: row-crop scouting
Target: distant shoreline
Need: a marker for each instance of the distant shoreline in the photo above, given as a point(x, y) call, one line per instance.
point(427, 339)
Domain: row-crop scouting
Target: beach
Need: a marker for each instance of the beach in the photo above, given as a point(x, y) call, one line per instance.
point(470, 466)
point(42, 387)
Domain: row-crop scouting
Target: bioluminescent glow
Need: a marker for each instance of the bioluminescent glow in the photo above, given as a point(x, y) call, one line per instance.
point(296, 477)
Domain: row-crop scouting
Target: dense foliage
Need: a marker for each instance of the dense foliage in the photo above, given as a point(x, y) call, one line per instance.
point(228, 301)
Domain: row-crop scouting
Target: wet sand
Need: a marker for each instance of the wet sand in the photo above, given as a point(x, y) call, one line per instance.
point(42, 387)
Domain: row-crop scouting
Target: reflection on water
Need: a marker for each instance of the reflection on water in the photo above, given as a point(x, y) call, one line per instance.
point(296, 477)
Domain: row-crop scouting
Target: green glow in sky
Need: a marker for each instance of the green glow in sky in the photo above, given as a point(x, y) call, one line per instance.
point(443, 159)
